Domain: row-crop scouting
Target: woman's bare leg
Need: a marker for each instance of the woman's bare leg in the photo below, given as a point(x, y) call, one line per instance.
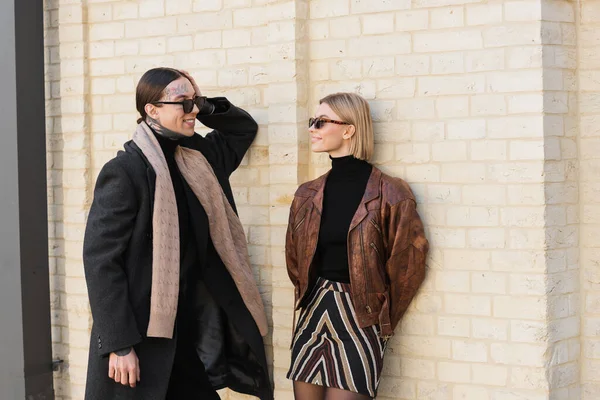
point(308, 391)
point(339, 394)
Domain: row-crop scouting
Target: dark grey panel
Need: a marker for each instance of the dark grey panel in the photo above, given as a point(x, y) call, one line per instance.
point(25, 344)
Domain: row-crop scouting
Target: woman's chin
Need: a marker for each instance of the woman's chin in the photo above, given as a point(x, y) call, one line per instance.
point(316, 148)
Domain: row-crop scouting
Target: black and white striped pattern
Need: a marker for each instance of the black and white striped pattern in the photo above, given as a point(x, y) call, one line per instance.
point(329, 348)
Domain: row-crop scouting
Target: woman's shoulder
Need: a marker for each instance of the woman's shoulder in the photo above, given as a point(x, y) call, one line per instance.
point(395, 190)
point(310, 188)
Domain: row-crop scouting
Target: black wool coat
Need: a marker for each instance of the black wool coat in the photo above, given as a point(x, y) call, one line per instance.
point(117, 257)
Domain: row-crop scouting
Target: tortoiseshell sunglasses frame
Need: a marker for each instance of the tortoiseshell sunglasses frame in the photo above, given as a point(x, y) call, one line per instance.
point(319, 122)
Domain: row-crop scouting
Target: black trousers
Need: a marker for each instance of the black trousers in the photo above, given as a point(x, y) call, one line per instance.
point(188, 380)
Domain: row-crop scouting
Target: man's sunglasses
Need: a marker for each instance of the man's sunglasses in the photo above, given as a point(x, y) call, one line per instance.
point(319, 122)
point(188, 104)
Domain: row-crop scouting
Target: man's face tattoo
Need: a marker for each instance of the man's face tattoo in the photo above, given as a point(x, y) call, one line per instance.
point(180, 89)
point(172, 122)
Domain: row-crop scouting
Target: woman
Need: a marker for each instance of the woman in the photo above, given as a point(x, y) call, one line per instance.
point(355, 251)
point(177, 314)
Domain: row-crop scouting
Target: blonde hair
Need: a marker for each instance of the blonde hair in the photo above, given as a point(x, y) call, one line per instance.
point(354, 109)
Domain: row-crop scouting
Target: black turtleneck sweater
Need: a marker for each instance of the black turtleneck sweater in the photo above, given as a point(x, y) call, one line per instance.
point(344, 190)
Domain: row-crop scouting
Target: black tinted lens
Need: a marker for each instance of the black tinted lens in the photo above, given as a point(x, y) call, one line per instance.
point(188, 105)
point(316, 121)
point(200, 100)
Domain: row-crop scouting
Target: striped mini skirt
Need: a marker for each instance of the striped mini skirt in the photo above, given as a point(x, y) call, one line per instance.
point(329, 349)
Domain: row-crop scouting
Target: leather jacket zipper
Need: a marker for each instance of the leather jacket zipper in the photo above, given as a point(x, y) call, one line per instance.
point(365, 270)
point(376, 226)
point(378, 255)
point(300, 223)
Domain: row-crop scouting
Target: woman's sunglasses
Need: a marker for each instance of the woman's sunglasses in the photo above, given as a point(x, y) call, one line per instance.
point(188, 104)
point(319, 122)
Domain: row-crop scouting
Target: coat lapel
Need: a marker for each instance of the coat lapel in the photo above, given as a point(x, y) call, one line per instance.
point(150, 174)
point(151, 178)
point(318, 185)
point(372, 191)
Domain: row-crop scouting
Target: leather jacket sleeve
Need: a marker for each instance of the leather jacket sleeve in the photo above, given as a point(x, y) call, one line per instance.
point(408, 249)
point(290, 247)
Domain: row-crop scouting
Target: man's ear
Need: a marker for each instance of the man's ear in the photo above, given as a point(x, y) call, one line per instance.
point(349, 132)
point(151, 110)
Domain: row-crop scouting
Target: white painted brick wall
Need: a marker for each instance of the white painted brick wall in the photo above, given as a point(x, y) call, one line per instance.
point(458, 90)
point(590, 252)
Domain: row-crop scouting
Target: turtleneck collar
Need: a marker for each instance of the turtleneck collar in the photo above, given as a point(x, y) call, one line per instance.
point(167, 145)
point(349, 166)
point(347, 162)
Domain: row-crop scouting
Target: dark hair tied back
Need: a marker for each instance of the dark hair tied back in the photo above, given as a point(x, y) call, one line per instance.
point(151, 87)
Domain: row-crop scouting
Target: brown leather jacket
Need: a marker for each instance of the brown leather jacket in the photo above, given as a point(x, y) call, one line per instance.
point(386, 248)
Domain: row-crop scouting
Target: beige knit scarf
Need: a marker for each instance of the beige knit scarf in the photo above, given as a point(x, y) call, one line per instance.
point(225, 228)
